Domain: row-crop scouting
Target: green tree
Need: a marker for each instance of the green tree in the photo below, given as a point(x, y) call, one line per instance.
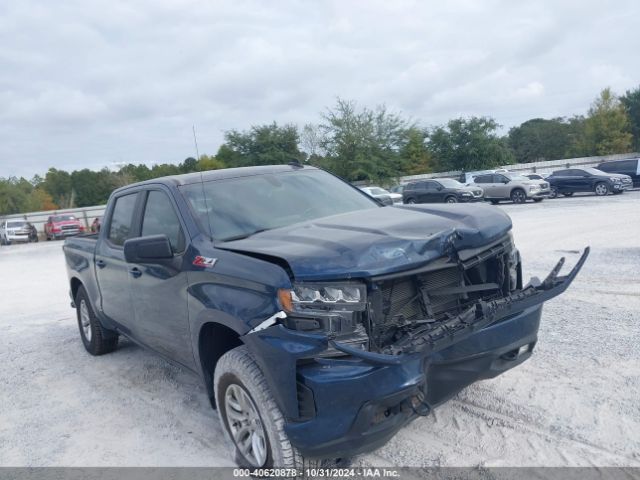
point(189, 165)
point(363, 144)
point(631, 102)
point(260, 145)
point(57, 183)
point(92, 188)
point(415, 157)
point(469, 144)
point(13, 197)
point(208, 162)
point(541, 139)
point(607, 128)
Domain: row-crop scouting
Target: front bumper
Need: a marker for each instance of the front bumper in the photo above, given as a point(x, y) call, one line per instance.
point(338, 407)
point(18, 237)
point(539, 194)
point(465, 199)
point(619, 187)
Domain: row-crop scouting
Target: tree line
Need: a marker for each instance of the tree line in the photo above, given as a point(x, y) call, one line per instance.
point(360, 144)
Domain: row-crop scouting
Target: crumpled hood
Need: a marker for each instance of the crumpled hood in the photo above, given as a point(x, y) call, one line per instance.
point(373, 242)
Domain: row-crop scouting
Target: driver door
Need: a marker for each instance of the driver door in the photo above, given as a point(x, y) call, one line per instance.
point(159, 289)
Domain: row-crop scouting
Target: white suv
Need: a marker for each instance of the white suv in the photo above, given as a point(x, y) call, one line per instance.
point(13, 231)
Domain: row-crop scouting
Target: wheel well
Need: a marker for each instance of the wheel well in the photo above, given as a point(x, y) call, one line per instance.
point(75, 285)
point(215, 340)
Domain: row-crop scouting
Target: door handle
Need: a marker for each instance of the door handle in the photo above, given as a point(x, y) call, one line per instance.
point(135, 272)
point(101, 263)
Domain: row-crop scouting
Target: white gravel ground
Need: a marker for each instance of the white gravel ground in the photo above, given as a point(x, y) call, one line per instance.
point(575, 402)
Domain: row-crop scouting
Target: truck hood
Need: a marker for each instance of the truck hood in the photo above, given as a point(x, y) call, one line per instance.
point(377, 241)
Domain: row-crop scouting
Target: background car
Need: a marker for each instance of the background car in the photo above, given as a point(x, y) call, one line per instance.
point(14, 231)
point(511, 186)
point(442, 190)
point(397, 189)
point(467, 177)
point(61, 226)
point(571, 180)
point(629, 167)
point(382, 194)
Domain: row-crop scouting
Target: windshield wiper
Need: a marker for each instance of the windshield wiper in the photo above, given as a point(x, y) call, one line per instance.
point(244, 235)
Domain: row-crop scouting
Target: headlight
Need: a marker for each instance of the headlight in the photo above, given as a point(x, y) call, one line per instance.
point(466, 194)
point(616, 180)
point(333, 296)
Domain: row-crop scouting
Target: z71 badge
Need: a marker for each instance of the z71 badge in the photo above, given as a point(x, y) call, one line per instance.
point(206, 262)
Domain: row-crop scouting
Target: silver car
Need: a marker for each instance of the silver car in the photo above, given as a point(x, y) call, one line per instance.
point(511, 186)
point(14, 231)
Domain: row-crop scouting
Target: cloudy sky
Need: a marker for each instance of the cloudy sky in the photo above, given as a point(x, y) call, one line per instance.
point(95, 83)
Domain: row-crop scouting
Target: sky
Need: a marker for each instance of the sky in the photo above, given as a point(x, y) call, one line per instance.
point(93, 84)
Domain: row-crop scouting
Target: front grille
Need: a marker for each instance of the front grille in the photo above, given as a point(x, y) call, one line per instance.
point(437, 295)
point(69, 227)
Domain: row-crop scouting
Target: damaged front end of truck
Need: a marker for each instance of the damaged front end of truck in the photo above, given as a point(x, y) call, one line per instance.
point(355, 360)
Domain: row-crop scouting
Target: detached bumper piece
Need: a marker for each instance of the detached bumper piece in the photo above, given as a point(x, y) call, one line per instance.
point(437, 336)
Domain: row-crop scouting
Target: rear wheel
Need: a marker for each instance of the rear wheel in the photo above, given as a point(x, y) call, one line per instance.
point(96, 339)
point(601, 189)
point(518, 196)
point(251, 419)
point(553, 192)
point(411, 201)
point(568, 194)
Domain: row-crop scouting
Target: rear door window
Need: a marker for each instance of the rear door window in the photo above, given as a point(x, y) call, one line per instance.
point(120, 226)
point(483, 179)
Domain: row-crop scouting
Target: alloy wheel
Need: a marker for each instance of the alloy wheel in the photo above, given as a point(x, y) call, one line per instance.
point(85, 320)
point(245, 425)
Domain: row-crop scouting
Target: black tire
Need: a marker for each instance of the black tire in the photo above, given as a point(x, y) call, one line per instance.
point(237, 369)
point(618, 192)
point(518, 195)
point(98, 340)
point(568, 194)
point(494, 202)
point(601, 189)
point(410, 201)
point(553, 192)
point(451, 199)
point(538, 200)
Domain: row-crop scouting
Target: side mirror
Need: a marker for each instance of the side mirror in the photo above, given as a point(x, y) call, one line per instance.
point(147, 249)
point(439, 187)
point(506, 180)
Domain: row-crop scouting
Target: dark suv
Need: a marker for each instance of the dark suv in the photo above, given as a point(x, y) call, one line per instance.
point(442, 190)
point(569, 181)
point(629, 167)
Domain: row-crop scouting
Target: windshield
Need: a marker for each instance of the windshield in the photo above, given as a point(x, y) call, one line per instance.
point(16, 224)
point(63, 218)
point(449, 183)
point(239, 207)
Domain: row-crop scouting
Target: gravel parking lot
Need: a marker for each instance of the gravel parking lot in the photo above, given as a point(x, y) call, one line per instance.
point(575, 402)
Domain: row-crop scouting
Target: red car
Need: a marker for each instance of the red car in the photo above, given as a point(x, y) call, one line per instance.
point(61, 226)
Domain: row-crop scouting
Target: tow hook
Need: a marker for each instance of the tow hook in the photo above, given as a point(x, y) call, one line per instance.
point(419, 405)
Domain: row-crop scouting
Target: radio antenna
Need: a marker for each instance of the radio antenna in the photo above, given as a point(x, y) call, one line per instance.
point(195, 142)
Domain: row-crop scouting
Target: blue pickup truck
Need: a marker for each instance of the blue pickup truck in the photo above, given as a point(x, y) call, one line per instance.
point(320, 321)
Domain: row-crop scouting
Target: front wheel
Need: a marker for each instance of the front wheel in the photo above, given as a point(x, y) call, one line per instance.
point(518, 196)
point(553, 193)
point(601, 189)
point(252, 421)
point(451, 200)
point(410, 201)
